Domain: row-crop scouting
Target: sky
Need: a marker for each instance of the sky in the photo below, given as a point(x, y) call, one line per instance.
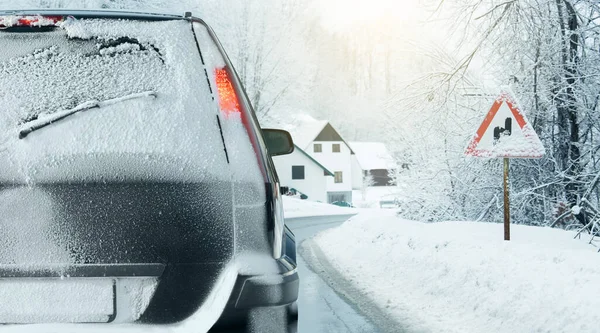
point(344, 15)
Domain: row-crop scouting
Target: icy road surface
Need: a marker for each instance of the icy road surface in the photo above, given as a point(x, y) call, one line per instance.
point(322, 309)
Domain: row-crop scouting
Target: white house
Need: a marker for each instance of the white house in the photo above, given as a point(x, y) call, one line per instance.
point(372, 158)
point(300, 171)
point(321, 146)
point(324, 144)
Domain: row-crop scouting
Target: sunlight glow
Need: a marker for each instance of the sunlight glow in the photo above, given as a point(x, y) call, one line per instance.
point(344, 15)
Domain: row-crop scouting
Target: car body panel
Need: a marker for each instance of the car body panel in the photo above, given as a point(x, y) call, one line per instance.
point(184, 228)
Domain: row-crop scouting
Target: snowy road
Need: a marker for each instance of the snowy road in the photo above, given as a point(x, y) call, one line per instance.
point(321, 308)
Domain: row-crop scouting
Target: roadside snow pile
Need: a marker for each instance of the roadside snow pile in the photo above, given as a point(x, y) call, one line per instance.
point(462, 277)
point(302, 208)
point(373, 196)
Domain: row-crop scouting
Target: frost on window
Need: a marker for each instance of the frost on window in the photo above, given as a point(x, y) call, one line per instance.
point(46, 72)
point(172, 137)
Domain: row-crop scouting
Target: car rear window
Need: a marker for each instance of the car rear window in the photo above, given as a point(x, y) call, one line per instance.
point(45, 70)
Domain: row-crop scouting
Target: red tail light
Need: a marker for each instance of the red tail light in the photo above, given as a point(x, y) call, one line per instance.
point(228, 99)
point(29, 21)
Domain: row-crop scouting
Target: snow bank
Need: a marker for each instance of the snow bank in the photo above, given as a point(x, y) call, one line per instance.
point(302, 208)
point(462, 277)
point(372, 196)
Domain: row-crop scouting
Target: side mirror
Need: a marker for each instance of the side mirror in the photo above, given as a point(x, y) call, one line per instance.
point(279, 142)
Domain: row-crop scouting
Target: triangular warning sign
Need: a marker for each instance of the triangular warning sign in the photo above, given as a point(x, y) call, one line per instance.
point(505, 132)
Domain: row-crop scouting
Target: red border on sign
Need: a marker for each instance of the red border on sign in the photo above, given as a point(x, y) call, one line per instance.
point(512, 105)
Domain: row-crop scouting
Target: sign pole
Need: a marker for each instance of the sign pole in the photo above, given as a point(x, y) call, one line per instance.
point(506, 203)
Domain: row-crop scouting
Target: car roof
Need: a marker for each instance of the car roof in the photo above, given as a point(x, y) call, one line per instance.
point(77, 13)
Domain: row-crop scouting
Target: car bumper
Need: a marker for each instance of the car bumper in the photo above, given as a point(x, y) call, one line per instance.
point(228, 301)
point(263, 291)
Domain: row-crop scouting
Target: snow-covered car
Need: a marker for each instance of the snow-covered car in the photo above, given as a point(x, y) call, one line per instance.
point(136, 186)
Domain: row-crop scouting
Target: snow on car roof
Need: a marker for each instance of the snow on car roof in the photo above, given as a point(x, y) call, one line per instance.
point(372, 155)
point(96, 13)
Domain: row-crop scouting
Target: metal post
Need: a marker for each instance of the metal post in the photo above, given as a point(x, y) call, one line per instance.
point(506, 203)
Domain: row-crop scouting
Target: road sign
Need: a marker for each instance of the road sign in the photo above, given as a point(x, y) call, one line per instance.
point(505, 132)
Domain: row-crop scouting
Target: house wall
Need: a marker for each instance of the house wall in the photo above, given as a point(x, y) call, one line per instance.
point(314, 184)
point(357, 174)
point(335, 162)
point(339, 196)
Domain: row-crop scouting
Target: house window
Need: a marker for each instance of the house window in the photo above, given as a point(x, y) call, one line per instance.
point(338, 177)
point(318, 148)
point(336, 148)
point(298, 172)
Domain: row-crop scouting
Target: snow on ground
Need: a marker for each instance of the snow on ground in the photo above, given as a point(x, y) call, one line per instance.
point(462, 277)
point(372, 196)
point(303, 208)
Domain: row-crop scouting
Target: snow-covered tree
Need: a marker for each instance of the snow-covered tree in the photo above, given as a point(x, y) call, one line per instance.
point(367, 181)
point(548, 52)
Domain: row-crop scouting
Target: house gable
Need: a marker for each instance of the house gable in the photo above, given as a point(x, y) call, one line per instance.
point(330, 134)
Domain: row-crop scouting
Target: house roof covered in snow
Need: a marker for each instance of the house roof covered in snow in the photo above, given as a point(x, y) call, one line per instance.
point(305, 130)
point(373, 155)
point(329, 173)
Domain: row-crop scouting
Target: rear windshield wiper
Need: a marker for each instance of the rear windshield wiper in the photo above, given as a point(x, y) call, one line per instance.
point(36, 124)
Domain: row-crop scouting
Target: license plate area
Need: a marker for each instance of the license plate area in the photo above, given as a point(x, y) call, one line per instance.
point(70, 300)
